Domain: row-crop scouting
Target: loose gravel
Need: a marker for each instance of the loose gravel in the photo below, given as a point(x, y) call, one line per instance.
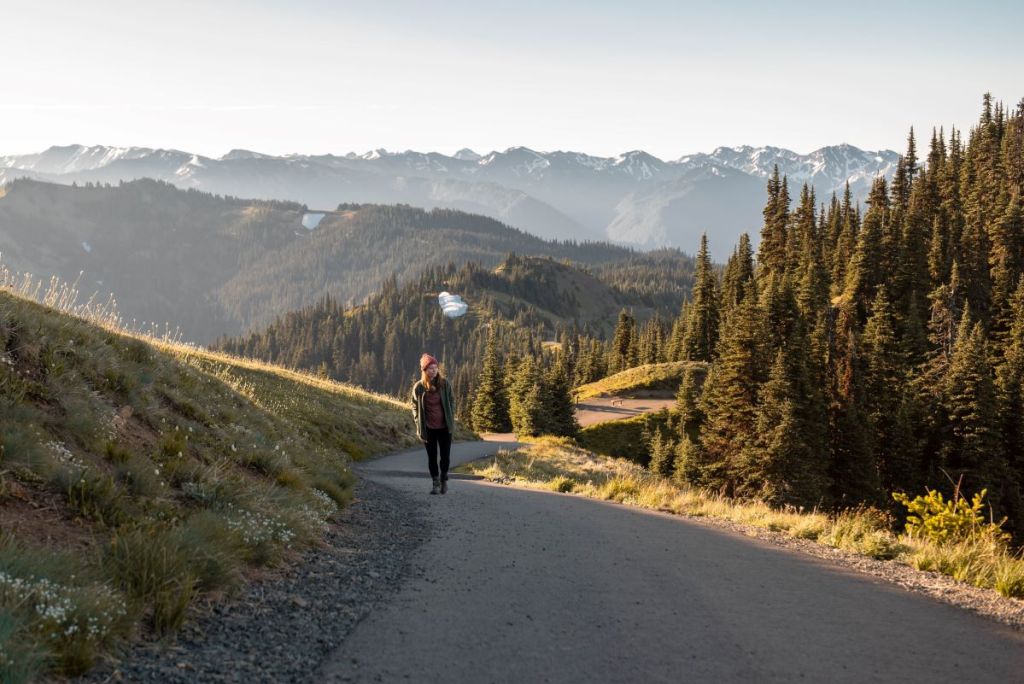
point(281, 628)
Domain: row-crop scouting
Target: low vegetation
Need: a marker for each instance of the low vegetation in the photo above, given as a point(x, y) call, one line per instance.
point(951, 538)
point(137, 475)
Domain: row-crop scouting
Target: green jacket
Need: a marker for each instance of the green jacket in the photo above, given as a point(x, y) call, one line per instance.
point(420, 415)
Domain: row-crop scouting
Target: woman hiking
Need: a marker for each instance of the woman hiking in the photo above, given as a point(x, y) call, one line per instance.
point(433, 409)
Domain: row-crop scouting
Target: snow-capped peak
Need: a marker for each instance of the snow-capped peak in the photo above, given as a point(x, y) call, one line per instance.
point(466, 154)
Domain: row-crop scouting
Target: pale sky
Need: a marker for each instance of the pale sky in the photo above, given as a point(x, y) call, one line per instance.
point(672, 78)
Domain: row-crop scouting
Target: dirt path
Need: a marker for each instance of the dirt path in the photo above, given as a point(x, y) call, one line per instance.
point(530, 586)
point(600, 410)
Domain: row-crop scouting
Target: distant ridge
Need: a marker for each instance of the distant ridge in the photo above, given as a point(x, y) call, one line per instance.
point(217, 265)
point(634, 198)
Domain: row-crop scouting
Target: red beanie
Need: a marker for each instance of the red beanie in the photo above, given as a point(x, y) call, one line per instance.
point(426, 360)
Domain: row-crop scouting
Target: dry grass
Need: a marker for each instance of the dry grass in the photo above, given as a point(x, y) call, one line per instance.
point(558, 465)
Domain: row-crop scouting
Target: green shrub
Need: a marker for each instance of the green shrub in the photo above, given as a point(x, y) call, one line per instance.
point(268, 463)
point(215, 551)
point(561, 483)
point(153, 567)
point(173, 444)
point(138, 351)
point(116, 453)
point(141, 477)
point(94, 496)
point(932, 517)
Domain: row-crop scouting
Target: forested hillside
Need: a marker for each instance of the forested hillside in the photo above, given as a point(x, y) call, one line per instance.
point(863, 355)
point(215, 266)
point(528, 300)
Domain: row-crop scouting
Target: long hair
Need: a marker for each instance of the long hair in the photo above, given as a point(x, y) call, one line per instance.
point(425, 379)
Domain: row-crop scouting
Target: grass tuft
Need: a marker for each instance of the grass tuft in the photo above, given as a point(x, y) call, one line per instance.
point(152, 567)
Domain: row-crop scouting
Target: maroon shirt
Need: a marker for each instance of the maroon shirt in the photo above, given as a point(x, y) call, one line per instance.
point(434, 410)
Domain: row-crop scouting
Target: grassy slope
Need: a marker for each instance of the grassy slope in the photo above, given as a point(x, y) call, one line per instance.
point(558, 465)
point(652, 376)
point(135, 476)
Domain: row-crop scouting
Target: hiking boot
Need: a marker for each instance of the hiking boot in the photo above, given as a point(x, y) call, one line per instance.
point(444, 486)
point(434, 489)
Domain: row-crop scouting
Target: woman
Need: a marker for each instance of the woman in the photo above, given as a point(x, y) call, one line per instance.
point(433, 409)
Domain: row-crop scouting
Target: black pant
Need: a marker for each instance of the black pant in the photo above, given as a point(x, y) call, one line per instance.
point(440, 437)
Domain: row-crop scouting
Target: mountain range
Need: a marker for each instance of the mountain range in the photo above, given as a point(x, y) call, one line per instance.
point(634, 198)
point(218, 266)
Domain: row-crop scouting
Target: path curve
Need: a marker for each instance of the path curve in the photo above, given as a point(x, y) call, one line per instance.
point(604, 409)
point(526, 586)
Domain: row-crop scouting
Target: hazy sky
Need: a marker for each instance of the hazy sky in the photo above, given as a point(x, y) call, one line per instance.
point(601, 77)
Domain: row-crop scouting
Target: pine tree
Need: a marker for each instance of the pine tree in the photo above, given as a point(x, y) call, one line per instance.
point(729, 399)
point(623, 349)
point(853, 473)
point(867, 269)
point(972, 449)
point(688, 399)
point(738, 272)
point(884, 389)
point(525, 394)
point(558, 411)
point(702, 324)
point(661, 449)
point(781, 466)
point(772, 252)
point(846, 242)
point(1010, 393)
point(1006, 260)
point(676, 343)
point(490, 402)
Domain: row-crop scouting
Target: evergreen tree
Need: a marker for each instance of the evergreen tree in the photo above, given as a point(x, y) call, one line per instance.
point(1010, 392)
point(972, 449)
point(702, 324)
point(559, 411)
point(772, 252)
point(780, 465)
point(884, 389)
point(661, 449)
point(867, 269)
point(846, 242)
point(738, 272)
point(490, 403)
point(729, 399)
point(526, 399)
point(676, 343)
point(1006, 260)
point(853, 473)
point(623, 350)
point(688, 400)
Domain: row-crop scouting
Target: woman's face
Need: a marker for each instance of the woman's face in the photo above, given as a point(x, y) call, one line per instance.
point(432, 371)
